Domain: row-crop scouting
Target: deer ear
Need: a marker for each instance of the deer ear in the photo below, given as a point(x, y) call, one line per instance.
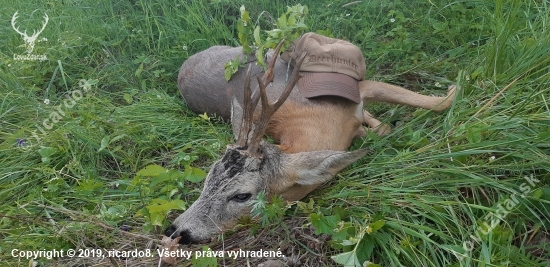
point(236, 117)
point(316, 167)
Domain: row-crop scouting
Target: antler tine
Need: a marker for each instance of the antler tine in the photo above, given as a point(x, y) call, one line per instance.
point(250, 100)
point(269, 109)
point(248, 109)
point(268, 75)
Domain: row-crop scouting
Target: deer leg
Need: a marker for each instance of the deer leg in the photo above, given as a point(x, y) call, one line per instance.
point(375, 125)
point(378, 91)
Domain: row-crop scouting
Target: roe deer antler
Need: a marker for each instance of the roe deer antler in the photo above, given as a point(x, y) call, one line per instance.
point(252, 144)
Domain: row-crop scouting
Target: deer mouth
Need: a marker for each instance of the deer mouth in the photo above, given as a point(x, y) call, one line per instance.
point(186, 237)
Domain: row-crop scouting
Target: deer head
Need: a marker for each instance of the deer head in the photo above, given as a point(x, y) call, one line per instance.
point(251, 166)
point(29, 40)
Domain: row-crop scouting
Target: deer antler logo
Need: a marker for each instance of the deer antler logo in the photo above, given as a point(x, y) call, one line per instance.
point(29, 40)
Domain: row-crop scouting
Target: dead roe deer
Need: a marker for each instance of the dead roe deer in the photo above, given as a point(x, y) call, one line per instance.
point(312, 125)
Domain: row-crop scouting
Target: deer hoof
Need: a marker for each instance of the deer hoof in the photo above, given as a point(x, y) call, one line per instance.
point(382, 129)
point(451, 90)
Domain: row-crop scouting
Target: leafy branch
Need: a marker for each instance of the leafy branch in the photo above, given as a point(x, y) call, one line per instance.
point(288, 27)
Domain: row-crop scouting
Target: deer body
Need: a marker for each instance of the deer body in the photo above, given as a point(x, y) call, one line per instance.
point(311, 135)
point(301, 124)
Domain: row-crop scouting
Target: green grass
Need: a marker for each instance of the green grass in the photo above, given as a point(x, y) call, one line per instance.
point(431, 182)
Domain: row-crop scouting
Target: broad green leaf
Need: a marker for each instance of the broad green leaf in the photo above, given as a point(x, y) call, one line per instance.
point(163, 177)
point(143, 212)
point(281, 22)
point(46, 152)
point(324, 224)
point(301, 25)
point(344, 233)
point(245, 15)
point(537, 194)
point(139, 70)
point(373, 227)
point(129, 99)
point(104, 143)
point(291, 20)
point(165, 206)
point(228, 71)
point(348, 259)
point(364, 248)
point(227, 74)
point(157, 218)
point(194, 175)
point(473, 134)
point(257, 36)
point(151, 170)
point(260, 57)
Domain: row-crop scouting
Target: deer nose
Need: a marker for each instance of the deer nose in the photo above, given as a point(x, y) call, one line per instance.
point(186, 239)
point(170, 230)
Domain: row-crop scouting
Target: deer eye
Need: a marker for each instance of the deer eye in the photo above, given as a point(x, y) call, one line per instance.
point(242, 197)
